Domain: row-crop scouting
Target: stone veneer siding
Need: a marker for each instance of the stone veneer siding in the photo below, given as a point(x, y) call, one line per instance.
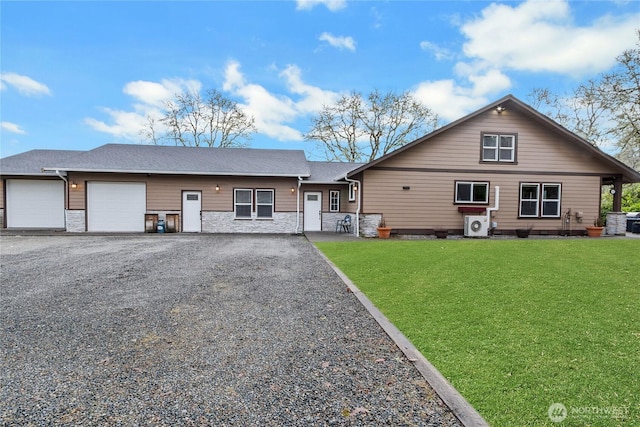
point(369, 224)
point(225, 222)
point(1, 217)
point(616, 223)
point(330, 219)
point(75, 221)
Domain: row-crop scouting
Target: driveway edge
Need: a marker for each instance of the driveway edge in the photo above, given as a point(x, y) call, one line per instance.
point(462, 409)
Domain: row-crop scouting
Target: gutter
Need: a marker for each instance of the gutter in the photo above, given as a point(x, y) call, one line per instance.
point(359, 186)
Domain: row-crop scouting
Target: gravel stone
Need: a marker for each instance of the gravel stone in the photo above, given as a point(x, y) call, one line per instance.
point(228, 330)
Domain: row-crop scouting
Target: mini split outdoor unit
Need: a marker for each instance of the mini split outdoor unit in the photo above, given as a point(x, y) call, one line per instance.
point(476, 226)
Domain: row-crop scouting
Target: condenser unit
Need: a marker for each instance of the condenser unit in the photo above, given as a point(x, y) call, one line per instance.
point(476, 226)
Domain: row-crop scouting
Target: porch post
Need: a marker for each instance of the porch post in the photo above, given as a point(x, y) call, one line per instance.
point(617, 195)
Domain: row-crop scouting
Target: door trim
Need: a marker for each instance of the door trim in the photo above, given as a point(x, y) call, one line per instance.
point(306, 211)
point(197, 229)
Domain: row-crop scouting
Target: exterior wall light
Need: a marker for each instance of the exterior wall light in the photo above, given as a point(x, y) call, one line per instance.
point(217, 188)
point(500, 109)
point(74, 185)
point(293, 190)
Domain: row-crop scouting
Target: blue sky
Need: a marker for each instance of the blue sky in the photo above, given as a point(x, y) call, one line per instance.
point(76, 75)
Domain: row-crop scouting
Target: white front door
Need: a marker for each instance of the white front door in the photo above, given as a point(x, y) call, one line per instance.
point(191, 211)
point(313, 211)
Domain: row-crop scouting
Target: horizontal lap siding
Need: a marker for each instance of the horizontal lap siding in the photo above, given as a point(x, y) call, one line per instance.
point(165, 192)
point(538, 149)
point(429, 203)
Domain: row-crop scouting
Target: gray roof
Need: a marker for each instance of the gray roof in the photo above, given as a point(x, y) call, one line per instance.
point(329, 172)
point(31, 162)
point(186, 160)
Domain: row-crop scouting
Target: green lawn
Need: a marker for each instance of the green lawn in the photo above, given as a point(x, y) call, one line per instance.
point(515, 325)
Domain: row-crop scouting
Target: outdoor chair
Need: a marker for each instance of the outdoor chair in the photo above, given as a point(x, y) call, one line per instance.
point(344, 224)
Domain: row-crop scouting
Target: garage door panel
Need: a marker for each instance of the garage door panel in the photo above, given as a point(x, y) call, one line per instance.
point(35, 203)
point(116, 206)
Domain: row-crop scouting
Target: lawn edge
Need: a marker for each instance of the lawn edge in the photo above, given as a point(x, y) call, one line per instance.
point(461, 409)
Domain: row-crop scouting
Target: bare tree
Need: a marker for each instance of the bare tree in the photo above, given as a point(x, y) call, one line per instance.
point(355, 129)
point(604, 110)
point(190, 120)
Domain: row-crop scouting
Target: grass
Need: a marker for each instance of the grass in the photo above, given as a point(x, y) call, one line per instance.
point(515, 325)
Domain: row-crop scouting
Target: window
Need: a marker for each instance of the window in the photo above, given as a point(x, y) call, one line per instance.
point(529, 200)
point(539, 200)
point(498, 148)
point(334, 201)
point(243, 202)
point(472, 192)
point(352, 191)
point(264, 203)
point(550, 200)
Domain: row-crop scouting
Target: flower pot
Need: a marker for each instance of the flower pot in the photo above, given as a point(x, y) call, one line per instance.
point(523, 233)
point(384, 232)
point(593, 231)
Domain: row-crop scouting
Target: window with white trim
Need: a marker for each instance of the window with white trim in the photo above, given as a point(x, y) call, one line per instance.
point(334, 201)
point(352, 191)
point(264, 203)
point(550, 201)
point(540, 200)
point(243, 202)
point(498, 148)
point(472, 192)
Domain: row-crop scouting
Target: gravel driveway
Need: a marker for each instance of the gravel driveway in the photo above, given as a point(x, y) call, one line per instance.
point(194, 330)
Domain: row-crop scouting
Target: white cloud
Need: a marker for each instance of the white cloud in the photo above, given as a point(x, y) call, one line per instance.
point(540, 36)
point(341, 42)
point(149, 97)
point(154, 93)
point(12, 127)
point(332, 5)
point(23, 84)
point(274, 112)
point(439, 52)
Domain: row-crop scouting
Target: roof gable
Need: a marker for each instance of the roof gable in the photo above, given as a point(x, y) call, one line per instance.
point(509, 102)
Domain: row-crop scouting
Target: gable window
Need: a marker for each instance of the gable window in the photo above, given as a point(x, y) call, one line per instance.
point(264, 203)
point(334, 201)
point(498, 148)
point(472, 192)
point(352, 191)
point(242, 201)
point(539, 200)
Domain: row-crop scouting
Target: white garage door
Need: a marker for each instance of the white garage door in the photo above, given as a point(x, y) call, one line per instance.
point(35, 203)
point(116, 206)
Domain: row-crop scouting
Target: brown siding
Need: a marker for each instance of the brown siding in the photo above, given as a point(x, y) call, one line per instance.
point(538, 148)
point(164, 192)
point(430, 201)
point(345, 205)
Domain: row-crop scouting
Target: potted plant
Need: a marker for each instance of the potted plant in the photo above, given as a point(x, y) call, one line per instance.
point(523, 233)
point(595, 230)
point(441, 233)
point(383, 231)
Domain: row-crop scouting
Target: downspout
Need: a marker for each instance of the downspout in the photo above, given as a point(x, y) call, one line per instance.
point(497, 206)
point(66, 196)
point(357, 183)
point(298, 206)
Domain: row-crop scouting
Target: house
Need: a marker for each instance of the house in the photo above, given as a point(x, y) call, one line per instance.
point(505, 167)
point(117, 187)
point(548, 177)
